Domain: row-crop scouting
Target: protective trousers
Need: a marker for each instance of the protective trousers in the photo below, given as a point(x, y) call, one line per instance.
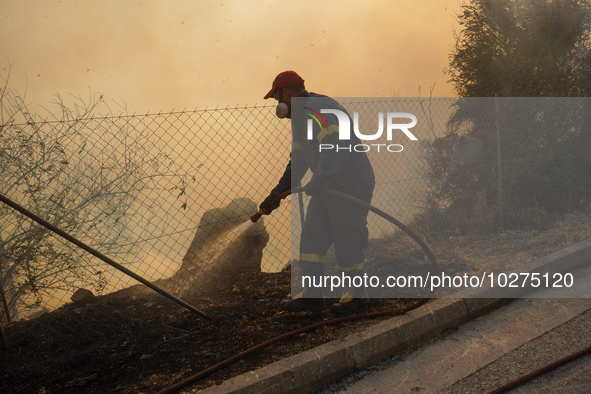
point(333, 220)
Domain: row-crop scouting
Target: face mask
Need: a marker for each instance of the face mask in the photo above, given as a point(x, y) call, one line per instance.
point(282, 110)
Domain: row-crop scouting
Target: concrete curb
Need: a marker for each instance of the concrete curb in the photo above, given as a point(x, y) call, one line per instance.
point(316, 367)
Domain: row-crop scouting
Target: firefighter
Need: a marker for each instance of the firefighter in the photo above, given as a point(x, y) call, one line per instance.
point(329, 220)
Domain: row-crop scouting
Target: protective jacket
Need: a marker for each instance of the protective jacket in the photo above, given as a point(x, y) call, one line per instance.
point(337, 165)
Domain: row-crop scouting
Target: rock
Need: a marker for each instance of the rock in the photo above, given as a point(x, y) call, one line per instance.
point(218, 220)
point(225, 246)
point(83, 296)
point(219, 253)
point(37, 313)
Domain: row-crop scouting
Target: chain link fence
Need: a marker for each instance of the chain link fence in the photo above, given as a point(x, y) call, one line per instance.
point(136, 188)
point(165, 194)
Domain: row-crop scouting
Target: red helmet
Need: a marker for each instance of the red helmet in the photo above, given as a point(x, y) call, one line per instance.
point(286, 78)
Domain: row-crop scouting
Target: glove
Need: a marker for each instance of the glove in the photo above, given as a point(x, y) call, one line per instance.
point(270, 204)
point(312, 188)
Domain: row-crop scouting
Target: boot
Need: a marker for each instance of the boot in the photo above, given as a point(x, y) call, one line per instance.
point(311, 298)
point(350, 302)
point(299, 304)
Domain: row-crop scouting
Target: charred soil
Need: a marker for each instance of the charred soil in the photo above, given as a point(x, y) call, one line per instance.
point(145, 344)
point(133, 344)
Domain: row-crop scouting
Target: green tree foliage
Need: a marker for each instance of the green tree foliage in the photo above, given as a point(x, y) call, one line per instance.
point(512, 49)
point(523, 48)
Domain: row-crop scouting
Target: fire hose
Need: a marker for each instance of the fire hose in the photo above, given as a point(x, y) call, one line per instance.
point(394, 312)
point(363, 204)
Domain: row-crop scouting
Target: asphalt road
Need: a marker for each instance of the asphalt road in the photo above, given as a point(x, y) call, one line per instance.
point(488, 352)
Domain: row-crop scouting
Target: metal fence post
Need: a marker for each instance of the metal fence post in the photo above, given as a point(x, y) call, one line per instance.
point(4, 302)
point(499, 158)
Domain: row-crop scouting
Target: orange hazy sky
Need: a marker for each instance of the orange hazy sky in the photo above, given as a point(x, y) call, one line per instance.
point(176, 54)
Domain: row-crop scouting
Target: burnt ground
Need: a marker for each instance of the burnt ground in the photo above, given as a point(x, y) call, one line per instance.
point(146, 344)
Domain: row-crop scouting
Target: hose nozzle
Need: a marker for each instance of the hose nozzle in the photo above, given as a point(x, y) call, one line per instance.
point(257, 215)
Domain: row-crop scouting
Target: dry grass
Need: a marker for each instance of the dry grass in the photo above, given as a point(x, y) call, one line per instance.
point(508, 249)
point(512, 249)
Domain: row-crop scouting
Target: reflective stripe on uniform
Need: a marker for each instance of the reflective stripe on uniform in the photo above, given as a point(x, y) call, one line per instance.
point(347, 297)
point(312, 258)
point(331, 129)
point(356, 267)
